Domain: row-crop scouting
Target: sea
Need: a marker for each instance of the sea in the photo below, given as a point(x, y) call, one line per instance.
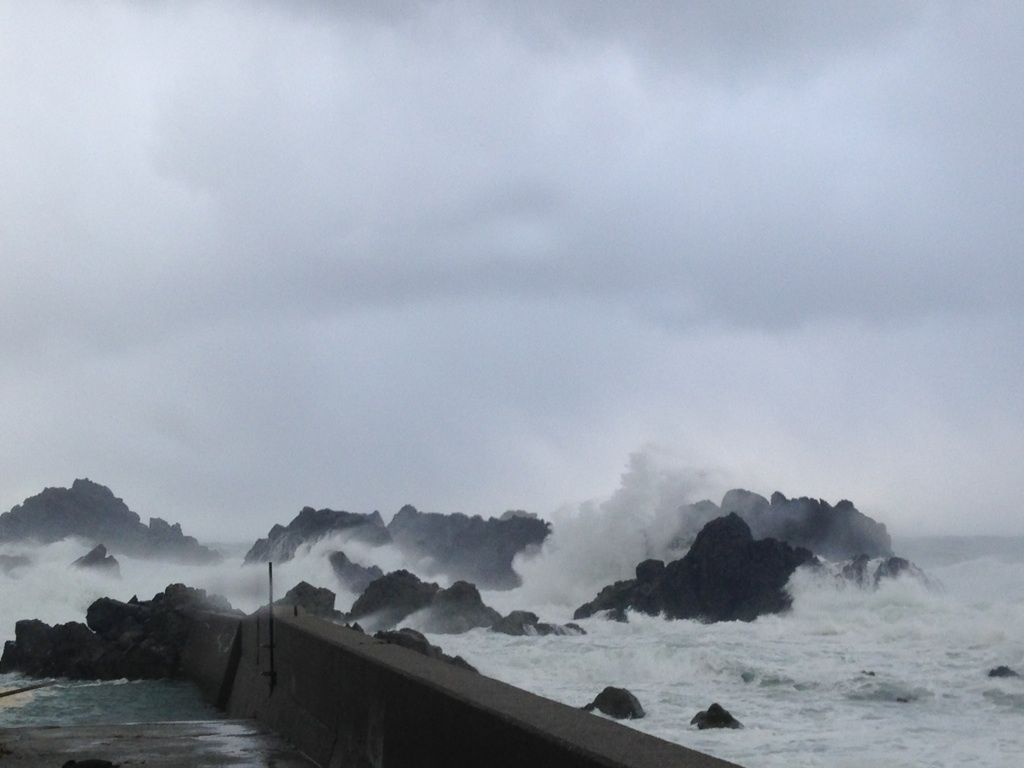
point(896, 676)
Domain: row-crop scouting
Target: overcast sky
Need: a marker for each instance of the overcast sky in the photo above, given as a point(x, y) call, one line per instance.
point(260, 255)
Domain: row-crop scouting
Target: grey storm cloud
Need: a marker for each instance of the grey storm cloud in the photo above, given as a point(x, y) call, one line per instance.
point(473, 255)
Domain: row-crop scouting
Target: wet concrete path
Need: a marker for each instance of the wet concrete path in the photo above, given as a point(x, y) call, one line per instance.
point(155, 745)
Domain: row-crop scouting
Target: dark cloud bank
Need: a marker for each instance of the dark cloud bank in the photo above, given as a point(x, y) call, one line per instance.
point(263, 255)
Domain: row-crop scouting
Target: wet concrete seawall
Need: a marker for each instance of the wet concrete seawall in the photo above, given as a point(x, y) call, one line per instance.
point(346, 699)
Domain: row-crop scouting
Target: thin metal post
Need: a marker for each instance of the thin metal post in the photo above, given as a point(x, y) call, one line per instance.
point(271, 673)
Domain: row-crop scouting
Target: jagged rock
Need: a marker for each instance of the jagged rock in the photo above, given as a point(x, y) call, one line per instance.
point(838, 533)
point(318, 601)
point(726, 575)
point(91, 511)
point(857, 571)
point(9, 563)
point(311, 525)
point(353, 576)
point(715, 716)
point(521, 623)
point(458, 609)
point(469, 548)
point(1002, 671)
point(98, 559)
point(414, 641)
point(618, 703)
point(392, 597)
point(132, 640)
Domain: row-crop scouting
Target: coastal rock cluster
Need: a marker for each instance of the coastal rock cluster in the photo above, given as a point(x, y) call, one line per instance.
point(460, 546)
point(92, 512)
point(726, 575)
point(133, 640)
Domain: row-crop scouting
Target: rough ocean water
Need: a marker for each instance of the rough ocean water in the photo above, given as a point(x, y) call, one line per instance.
point(849, 677)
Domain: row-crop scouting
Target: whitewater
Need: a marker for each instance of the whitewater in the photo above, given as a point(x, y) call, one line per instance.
point(849, 677)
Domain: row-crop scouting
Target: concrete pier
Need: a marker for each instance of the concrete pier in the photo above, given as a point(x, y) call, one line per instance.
point(154, 745)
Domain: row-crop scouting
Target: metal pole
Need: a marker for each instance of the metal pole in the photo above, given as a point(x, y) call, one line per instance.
point(272, 674)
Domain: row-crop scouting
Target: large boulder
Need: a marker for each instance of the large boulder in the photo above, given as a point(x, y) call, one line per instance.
point(715, 716)
point(97, 559)
point(391, 598)
point(725, 576)
point(619, 703)
point(311, 525)
point(458, 609)
point(353, 576)
point(91, 511)
point(468, 548)
point(316, 601)
point(131, 640)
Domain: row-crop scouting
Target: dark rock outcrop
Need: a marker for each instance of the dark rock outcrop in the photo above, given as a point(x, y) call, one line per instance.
point(10, 563)
point(458, 609)
point(389, 599)
point(715, 716)
point(469, 548)
point(317, 601)
point(133, 640)
point(867, 573)
point(97, 559)
point(311, 525)
point(837, 532)
point(414, 641)
point(353, 576)
point(1002, 671)
point(618, 703)
point(521, 623)
point(91, 511)
point(725, 576)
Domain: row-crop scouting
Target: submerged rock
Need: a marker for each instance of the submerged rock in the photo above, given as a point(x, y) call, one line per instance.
point(468, 548)
point(1002, 671)
point(415, 641)
point(866, 573)
point(311, 525)
point(91, 511)
point(98, 559)
point(619, 703)
point(715, 716)
point(725, 576)
point(520, 623)
point(353, 576)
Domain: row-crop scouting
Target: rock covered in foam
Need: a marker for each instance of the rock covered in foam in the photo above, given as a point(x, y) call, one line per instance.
point(527, 623)
point(619, 703)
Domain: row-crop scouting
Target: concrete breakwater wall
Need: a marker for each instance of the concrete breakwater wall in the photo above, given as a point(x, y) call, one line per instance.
point(346, 699)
